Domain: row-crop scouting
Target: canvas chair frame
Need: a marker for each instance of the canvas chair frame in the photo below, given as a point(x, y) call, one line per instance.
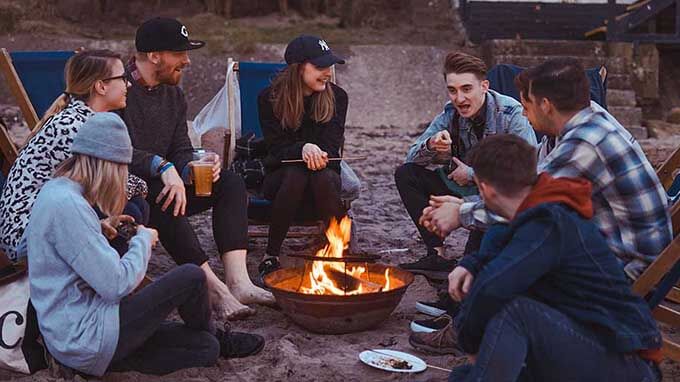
point(8, 149)
point(663, 264)
point(17, 89)
point(229, 152)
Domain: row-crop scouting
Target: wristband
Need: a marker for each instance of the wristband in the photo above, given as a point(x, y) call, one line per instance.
point(165, 168)
point(163, 163)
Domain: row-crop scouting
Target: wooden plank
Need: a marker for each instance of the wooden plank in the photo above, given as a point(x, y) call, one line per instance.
point(674, 295)
point(667, 168)
point(17, 89)
point(675, 218)
point(667, 315)
point(655, 272)
point(596, 31)
point(642, 14)
point(671, 350)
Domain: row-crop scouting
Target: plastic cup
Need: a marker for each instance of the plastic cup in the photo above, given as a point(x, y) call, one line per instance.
point(202, 172)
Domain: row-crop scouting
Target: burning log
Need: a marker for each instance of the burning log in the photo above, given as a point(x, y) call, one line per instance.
point(348, 282)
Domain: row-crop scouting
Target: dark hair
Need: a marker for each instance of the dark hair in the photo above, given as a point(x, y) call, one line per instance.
point(505, 161)
point(459, 62)
point(562, 81)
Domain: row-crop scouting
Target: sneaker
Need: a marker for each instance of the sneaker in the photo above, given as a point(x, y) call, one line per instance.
point(434, 308)
point(431, 324)
point(431, 266)
point(445, 304)
point(266, 267)
point(442, 341)
point(238, 344)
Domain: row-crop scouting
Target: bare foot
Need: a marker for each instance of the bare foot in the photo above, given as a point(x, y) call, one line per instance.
point(251, 294)
point(226, 306)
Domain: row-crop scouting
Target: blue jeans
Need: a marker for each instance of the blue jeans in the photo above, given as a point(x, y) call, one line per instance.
point(530, 341)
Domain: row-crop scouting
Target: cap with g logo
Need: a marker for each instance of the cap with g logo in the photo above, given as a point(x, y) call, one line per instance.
point(311, 49)
point(161, 33)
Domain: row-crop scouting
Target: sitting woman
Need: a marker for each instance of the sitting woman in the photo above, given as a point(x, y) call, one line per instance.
point(80, 287)
point(303, 117)
point(94, 82)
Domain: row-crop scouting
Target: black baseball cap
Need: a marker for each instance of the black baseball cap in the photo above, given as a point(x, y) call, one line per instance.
point(162, 33)
point(311, 49)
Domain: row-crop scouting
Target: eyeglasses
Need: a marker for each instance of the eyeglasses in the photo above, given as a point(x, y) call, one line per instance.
point(123, 77)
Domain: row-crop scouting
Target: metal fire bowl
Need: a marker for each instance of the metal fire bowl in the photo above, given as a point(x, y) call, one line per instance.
point(330, 314)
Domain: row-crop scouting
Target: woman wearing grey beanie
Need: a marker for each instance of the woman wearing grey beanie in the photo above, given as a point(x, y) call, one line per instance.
point(80, 287)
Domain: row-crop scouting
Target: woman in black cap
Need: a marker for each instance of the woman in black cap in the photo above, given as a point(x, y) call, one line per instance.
point(302, 115)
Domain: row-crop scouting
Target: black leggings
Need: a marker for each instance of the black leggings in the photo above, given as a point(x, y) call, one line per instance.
point(293, 188)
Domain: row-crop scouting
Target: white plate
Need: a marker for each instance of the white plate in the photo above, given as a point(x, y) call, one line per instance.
point(381, 361)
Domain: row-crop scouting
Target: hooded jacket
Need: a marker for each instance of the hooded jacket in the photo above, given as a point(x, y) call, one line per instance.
point(553, 253)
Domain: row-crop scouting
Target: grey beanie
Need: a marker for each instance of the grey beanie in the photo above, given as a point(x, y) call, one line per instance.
point(104, 136)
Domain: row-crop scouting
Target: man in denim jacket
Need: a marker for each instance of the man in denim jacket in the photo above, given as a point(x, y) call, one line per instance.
point(474, 112)
point(545, 292)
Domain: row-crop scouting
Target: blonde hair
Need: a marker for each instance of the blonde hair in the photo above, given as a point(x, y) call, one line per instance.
point(287, 98)
point(104, 183)
point(82, 70)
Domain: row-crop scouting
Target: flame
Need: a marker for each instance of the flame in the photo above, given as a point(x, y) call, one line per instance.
point(338, 235)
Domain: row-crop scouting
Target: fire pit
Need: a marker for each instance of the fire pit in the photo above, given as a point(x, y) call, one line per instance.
point(335, 294)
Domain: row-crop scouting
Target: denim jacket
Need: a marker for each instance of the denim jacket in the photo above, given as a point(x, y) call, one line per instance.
point(551, 254)
point(503, 115)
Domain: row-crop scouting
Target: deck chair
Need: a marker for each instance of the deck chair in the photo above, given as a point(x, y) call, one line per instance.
point(253, 77)
point(658, 282)
point(35, 79)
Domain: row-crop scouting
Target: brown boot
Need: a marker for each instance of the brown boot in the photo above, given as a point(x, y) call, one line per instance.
point(442, 341)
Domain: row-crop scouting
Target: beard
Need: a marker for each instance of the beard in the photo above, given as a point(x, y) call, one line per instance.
point(167, 75)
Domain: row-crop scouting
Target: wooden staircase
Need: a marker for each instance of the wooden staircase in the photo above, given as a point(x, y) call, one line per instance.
point(621, 98)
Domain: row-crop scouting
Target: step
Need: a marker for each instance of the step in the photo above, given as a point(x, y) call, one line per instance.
point(619, 81)
point(614, 64)
point(617, 97)
point(546, 47)
point(626, 115)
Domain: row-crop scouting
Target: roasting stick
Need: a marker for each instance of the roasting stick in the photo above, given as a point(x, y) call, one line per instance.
point(330, 159)
point(403, 360)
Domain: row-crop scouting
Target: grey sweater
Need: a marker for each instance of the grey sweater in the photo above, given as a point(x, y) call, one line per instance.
point(77, 279)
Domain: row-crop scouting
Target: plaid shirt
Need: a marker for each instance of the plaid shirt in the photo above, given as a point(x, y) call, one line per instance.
point(631, 207)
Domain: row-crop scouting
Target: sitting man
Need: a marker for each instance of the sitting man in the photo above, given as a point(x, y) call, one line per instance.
point(546, 292)
point(583, 140)
point(474, 112)
point(156, 120)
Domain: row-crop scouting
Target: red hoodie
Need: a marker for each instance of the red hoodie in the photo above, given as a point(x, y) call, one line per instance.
point(575, 193)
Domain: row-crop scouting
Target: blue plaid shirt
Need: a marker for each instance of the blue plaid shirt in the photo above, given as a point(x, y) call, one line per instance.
point(631, 206)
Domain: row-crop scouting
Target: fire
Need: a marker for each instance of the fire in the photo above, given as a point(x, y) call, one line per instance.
point(321, 276)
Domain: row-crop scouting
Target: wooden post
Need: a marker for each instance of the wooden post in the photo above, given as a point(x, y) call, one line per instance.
point(677, 18)
point(283, 7)
point(612, 27)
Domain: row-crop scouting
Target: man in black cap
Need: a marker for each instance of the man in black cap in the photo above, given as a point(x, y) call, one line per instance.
point(163, 155)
